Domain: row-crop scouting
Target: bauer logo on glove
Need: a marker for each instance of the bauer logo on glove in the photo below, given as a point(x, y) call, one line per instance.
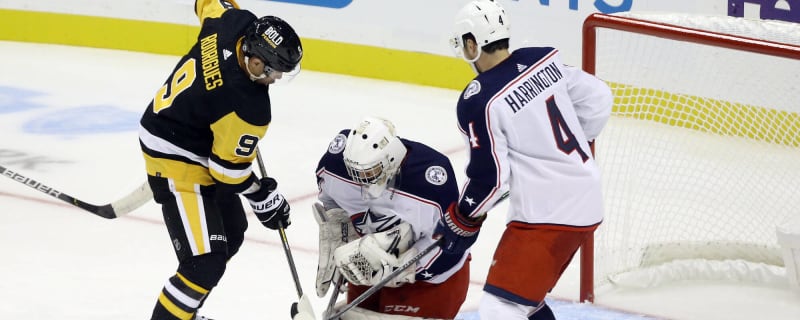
point(269, 205)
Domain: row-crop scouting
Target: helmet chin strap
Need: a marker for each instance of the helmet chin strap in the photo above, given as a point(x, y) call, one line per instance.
point(252, 76)
point(472, 62)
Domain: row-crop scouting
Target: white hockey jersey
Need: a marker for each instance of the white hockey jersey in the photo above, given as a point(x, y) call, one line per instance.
point(527, 123)
point(424, 186)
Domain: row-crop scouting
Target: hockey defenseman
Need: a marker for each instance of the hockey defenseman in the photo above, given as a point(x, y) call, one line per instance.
point(380, 199)
point(527, 120)
point(199, 137)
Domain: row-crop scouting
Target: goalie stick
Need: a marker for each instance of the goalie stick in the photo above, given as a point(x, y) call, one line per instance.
point(338, 283)
point(395, 273)
point(112, 210)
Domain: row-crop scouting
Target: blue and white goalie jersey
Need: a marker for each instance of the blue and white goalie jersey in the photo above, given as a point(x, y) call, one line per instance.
point(423, 188)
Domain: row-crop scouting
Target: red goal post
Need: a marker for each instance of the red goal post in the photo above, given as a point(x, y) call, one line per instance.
point(697, 127)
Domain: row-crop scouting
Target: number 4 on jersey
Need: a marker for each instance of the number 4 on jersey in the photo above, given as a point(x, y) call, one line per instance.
point(565, 139)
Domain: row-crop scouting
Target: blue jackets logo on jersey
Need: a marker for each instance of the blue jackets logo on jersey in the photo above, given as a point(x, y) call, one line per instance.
point(472, 89)
point(337, 145)
point(436, 175)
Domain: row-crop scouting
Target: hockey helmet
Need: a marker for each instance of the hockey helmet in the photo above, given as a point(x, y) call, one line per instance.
point(273, 41)
point(372, 155)
point(485, 19)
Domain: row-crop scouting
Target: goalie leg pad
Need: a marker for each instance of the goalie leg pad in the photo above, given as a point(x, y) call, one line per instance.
point(335, 229)
point(368, 260)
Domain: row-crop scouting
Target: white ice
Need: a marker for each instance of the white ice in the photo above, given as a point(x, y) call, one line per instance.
point(60, 262)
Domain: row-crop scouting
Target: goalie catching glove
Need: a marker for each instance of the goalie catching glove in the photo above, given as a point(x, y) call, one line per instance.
point(335, 230)
point(369, 260)
point(269, 205)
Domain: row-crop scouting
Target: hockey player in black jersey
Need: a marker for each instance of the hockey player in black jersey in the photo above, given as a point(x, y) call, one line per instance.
point(199, 137)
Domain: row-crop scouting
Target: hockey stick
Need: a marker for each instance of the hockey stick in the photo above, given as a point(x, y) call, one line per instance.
point(282, 232)
point(394, 274)
point(334, 295)
point(112, 210)
point(338, 283)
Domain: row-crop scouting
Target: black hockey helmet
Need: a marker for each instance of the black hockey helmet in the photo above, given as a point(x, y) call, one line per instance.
point(273, 41)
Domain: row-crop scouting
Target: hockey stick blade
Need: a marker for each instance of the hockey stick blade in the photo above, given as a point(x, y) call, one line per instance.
point(112, 210)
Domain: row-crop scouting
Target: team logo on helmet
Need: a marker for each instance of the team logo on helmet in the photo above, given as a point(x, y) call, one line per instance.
point(472, 89)
point(337, 145)
point(436, 175)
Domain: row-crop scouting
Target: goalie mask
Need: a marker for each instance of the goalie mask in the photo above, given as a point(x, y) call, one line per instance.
point(274, 42)
point(485, 20)
point(372, 156)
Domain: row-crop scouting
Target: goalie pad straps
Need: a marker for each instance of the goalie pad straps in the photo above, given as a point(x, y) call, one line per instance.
point(335, 229)
point(368, 260)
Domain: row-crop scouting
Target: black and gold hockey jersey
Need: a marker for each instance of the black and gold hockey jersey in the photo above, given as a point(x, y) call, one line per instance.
point(203, 125)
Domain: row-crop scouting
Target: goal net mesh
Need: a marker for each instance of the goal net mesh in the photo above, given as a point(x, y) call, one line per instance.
point(701, 157)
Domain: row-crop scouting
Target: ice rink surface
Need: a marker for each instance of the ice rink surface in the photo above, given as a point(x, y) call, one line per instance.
point(68, 118)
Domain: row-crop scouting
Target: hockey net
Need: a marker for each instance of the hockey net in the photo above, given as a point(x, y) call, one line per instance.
point(701, 157)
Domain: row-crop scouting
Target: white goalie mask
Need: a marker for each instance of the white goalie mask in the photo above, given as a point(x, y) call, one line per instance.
point(485, 19)
point(372, 155)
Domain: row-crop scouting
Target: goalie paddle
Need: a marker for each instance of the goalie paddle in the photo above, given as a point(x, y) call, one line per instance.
point(112, 210)
point(394, 274)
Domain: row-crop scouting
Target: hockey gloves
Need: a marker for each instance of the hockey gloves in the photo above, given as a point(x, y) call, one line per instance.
point(269, 205)
point(375, 256)
point(458, 232)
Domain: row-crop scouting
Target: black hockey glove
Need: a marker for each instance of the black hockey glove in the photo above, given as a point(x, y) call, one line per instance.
point(269, 205)
point(458, 233)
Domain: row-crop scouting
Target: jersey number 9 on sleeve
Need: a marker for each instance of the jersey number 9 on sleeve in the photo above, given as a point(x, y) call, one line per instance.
point(181, 80)
point(247, 145)
point(565, 139)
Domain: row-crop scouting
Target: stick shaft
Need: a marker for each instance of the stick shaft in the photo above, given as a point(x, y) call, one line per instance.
point(284, 240)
